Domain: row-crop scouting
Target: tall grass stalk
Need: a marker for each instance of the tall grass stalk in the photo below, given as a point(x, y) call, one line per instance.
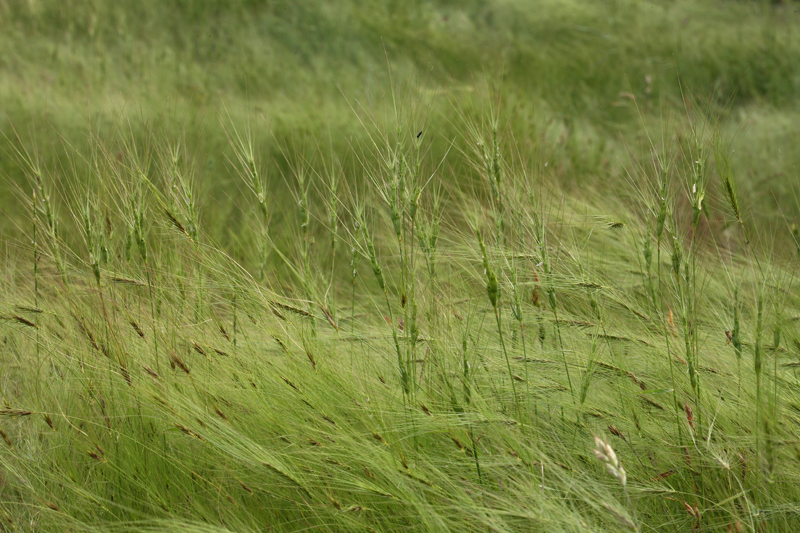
point(304, 214)
point(553, 301)
point(183, 214)
point(354, 256)
point(413, 193)
point(757, 366)
point(540, 244)
point(428, 236)
point(377, 270)
point(775, 406)
point(332, 204)
point(138, 232)
point(736, 338)
point(493, 292)
point(516, 310)
point(34, 233)
point(661, 219)
point(245, 154)
point(691, 315)
point(467, 386)
point(492, 163)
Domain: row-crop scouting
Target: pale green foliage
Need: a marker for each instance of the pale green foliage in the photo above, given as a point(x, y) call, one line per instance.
point(150, 416)
point(171, 356)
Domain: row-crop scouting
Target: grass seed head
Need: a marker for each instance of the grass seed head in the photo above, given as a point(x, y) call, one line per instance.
point(373, 259)
point(736, 335)
point(492, 287)
point(677, 256)
point(722, 159)
point(662, 209)
point(605, 453)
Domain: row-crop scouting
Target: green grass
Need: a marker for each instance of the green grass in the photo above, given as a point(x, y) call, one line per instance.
point(498, 281)
point(564, 68)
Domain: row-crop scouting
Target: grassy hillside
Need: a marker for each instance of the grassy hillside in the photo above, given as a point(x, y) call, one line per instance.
point(297, 69)
point(383, 266)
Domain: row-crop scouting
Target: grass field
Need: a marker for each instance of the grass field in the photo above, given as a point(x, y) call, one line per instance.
point(399, 266)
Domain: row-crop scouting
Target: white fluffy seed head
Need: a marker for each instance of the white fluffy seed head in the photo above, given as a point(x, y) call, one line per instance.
point(605, 453)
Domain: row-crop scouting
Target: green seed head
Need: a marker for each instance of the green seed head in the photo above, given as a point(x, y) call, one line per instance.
point(551, 297)
point(595, 306)
point(677, 256)
point(492, 288)
point(373, 259)
point(413, 327)
point(264, 211)
point(662, 212)
point(354, 264)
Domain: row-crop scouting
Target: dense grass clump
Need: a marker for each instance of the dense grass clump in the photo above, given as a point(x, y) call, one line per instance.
point(151, 381)
point(425, 266)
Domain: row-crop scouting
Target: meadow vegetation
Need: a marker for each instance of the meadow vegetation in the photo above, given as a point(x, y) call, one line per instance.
point(399, 266)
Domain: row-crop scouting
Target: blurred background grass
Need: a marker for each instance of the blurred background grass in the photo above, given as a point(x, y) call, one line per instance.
point(585, 74)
